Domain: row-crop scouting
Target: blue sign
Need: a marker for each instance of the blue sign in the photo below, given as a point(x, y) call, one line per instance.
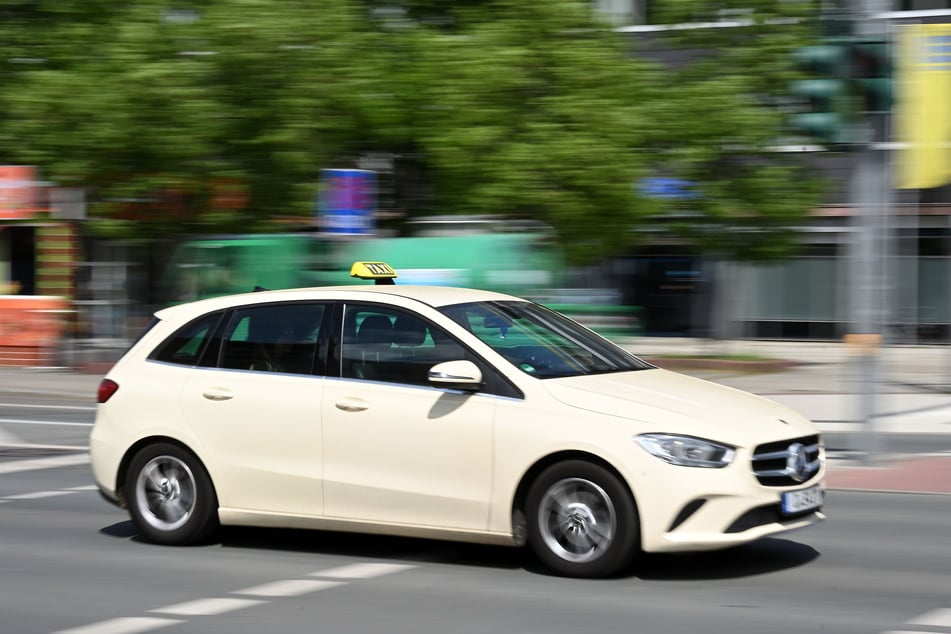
point(667, 188)
point(347, 201)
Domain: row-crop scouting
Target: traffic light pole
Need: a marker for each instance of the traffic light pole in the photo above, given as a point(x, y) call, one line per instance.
point(871, 193)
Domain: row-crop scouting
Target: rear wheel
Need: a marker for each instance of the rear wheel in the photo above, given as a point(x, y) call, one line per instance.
point(582, 521)
point(170, 496)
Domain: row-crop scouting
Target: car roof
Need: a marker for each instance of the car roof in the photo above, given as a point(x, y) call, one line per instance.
point(435, 296)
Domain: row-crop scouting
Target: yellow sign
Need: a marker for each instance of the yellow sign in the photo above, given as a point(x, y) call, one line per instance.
point(372, 271)
point(923, 112)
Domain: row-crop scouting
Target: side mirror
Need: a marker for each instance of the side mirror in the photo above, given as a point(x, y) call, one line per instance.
point(459, 375)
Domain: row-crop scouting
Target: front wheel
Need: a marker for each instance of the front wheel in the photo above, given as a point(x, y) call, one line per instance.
point(582, 521)
point(170, 496)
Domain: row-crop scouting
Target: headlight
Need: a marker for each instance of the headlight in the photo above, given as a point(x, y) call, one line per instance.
point(686, 451)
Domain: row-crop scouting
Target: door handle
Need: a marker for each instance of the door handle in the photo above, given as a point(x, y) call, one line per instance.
point(218, 395)
point(351, 406)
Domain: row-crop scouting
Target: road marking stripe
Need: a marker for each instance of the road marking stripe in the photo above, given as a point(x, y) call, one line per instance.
point(361, 571)
point(211, 607)
point(87, 487)
point(208, 607)
point(126, 625)
point(16, 466)
point(37, 495)
point(35, 445)
point(27, 421)
point(79, 408)
point(288, 588)
point(936, 618)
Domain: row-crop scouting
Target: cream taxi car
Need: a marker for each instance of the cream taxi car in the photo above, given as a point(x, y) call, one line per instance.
point(439, 412)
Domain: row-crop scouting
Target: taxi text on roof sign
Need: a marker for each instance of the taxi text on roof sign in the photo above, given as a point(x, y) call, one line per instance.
point(380, 271)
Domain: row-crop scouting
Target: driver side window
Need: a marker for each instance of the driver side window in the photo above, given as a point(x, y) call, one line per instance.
point(392, 345)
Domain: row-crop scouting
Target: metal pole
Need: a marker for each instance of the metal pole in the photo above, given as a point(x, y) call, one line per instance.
point(867, 289)
point(871, 194)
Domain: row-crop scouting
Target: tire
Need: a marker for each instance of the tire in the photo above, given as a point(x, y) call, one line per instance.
point(171, 498)
point(582, 521)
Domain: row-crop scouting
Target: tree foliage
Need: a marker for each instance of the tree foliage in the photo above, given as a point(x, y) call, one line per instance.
point(221, 116)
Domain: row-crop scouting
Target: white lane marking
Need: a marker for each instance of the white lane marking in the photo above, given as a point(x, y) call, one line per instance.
point(7, 438)
point(126, 625)
point(16, 466)
point(208, 607)
point(28, 421)
point(936, 618)
point(48, 494)
point(36, 495)
point(361, 571)
point(78, 408)
point(36, 445)
point(288, 588)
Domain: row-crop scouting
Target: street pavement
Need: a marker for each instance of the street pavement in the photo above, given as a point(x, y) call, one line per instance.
point(911, 394)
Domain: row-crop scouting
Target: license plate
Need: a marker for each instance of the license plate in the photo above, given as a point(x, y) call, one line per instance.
point(800, 501)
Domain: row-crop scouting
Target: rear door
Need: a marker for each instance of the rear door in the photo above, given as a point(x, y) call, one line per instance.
point(257, 409)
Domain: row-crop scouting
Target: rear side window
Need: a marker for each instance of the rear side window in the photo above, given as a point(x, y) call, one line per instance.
point(274, 338)
point(186, 345)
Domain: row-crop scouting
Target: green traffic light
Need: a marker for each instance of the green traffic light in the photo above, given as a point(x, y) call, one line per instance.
point(846, 76)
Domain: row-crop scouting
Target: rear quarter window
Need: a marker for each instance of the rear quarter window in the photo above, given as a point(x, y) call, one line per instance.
point(186, 345)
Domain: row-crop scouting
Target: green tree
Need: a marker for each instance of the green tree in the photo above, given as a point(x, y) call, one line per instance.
point(220, 117)
point(531, 110)
point(721, 126)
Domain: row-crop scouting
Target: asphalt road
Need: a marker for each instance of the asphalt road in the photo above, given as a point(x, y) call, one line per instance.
point(69, 562)
point(48, 421)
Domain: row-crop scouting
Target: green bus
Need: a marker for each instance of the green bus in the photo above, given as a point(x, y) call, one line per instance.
point(521, 264)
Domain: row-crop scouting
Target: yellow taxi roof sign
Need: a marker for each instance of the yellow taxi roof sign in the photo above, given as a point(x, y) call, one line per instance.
point(382, 272)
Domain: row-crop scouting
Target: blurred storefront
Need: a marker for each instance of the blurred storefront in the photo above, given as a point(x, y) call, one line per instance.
point(38, 254)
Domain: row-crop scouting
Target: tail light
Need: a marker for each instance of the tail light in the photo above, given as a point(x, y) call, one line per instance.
point(107, 388)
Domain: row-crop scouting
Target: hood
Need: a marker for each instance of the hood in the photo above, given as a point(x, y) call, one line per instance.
point(675, 403)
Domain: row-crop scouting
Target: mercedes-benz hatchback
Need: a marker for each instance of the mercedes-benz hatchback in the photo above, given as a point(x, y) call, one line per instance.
point(444, 413)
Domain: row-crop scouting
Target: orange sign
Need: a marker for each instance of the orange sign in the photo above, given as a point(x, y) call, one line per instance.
point(31, 320)
point(18, 192)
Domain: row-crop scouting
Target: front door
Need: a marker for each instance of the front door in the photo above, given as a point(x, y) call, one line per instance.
point(397, 450)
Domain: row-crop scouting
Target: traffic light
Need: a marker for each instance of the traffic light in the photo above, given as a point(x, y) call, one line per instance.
point(871, 74)
point(846, 77)
point(824, 93)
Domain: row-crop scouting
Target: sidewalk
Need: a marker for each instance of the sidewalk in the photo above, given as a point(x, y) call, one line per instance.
point(49, 382)
point(912, 393)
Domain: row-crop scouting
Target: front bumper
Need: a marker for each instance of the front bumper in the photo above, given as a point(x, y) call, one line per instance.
point(693, 509)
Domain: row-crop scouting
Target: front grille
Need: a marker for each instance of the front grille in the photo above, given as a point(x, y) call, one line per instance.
point(787, 462)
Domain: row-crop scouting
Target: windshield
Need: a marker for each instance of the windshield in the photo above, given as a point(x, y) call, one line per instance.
point(541, 342)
